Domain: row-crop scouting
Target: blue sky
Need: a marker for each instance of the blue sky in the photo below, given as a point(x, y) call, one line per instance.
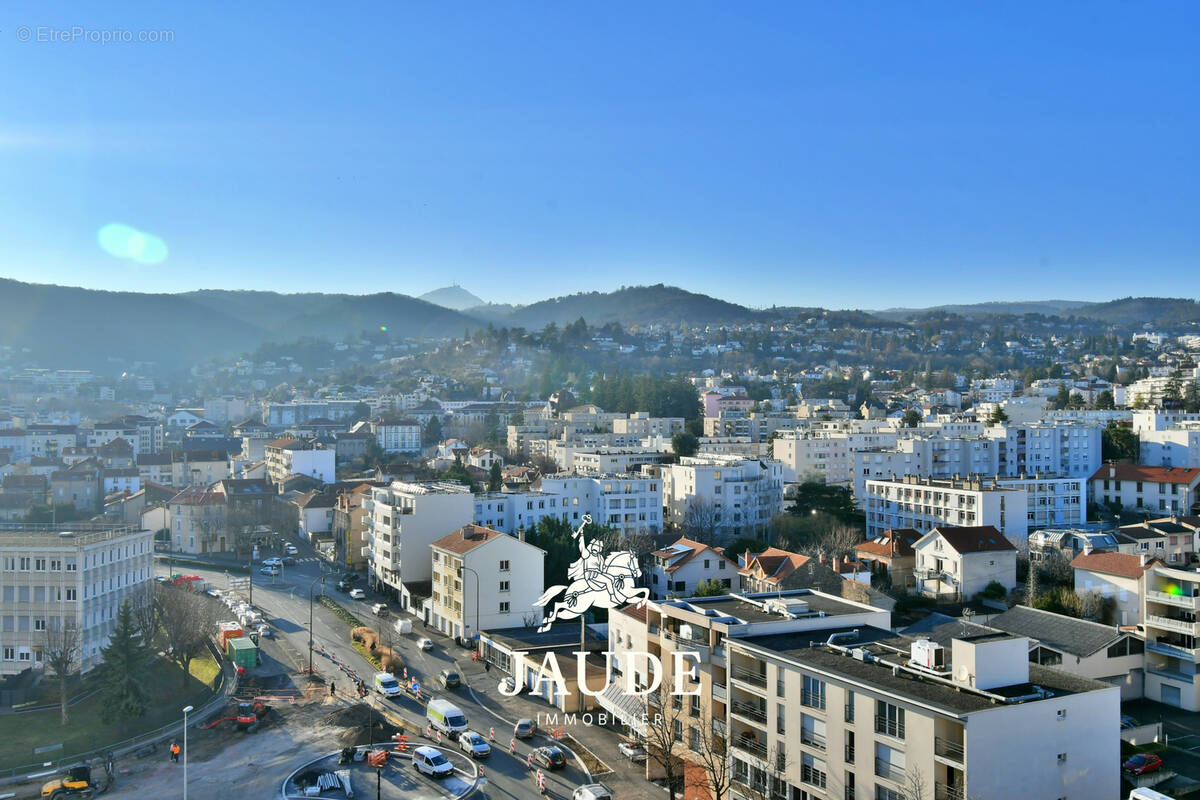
point(840, 154)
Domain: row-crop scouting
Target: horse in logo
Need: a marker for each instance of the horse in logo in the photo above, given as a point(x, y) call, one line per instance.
point(597, 579)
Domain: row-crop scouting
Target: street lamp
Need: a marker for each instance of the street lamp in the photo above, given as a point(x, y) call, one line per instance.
point(186, 711)
point(476, 574)
point(320, 578)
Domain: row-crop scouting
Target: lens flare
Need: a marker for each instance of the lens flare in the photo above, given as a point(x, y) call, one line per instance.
point(122, 241)
point(383, 328)
point(1174, 589)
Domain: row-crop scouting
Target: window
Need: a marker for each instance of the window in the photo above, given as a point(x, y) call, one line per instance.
point(504, 607)
point(39, 624)
point(504, 586)
point(10, 654)
point(1062, 713)
point(889, 719)
point(813, 693)
point(1062, 758)
point(812, 771)
point(1127, 647)
point(849, 747)
point(694, 739)
point(849, 706)
point(677, 730)
point(504, 566)
point(1045, 656)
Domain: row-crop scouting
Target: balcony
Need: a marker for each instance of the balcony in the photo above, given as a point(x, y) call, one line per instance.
point(886, 769)
point(720, 692)
point(743, 675)
point(1172, 624)
point(1175, 651)
point(889, 727)
point(812, 739)
point(751, 746)
point(1171, 674)
point(751, 712)
point(951, 751)
point(944, 791)
point(812, 700)
point(1180, 601)
point(719, 728)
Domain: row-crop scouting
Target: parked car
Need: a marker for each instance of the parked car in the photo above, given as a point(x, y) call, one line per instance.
point(474, 745)
point(449, 678)
point(379, 609)
point(265, 632)
point(1142, 763)
point(358, 594)
point(632, 750)
point(549, 757)
point(431, 761)
point(524, 728)
point(424, 644)
point(592, 791)
point(271, 569)
point(1128, 722)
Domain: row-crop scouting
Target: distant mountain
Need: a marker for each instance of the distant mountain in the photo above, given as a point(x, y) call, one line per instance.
point(640, 305)
point(1163, 311)
point(454, 297)
point(1058, 308)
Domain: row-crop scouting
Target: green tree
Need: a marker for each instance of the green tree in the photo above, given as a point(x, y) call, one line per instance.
point(813, 497)
point(1173, 392)
point(62, 512)
point(361, 412)
point(373, 455)
point(1191, 400)
point(710, 588)
point(1062, 397)
point(911, 418)
point(495, 478)
point(122, 672)
point(997, 417)
point(1104, 401)
point(685, 444)
point(432, 434)
point(458, 473)
point(746, 544)
point(1118, 443)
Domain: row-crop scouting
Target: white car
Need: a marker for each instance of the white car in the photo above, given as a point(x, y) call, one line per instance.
point(358, 594)
point(431, 761)
point(424, 644)
point(633, 751)
point(274, 561)
point(379, 609)
point(474, 745)
point(290, 550)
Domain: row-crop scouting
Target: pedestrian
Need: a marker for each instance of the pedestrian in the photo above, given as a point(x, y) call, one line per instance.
point(332, 688)
point(175, 752)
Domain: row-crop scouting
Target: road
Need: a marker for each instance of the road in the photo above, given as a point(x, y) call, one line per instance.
point(284, 600)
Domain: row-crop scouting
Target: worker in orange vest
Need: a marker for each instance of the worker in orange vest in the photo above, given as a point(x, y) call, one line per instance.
point(175, 752)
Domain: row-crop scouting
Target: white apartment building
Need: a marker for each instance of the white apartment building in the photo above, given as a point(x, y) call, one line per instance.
point(1175, 446)
point(602, 460)
point(1170, 601)
point(1069, 449)
point(76, 575)
point(864, 714)
point(510, 512)
point(926, 503)
point(933, 457)
point(809, 456)
point(993, 390)
point(288, 456)
point(397, 434)
point(743, 493)
point(1155, 419)
point(628, 502)
point(484, 580)
point(1157, 491)
point(402, 520)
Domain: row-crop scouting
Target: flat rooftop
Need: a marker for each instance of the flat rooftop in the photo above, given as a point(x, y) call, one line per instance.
point(749, 608)
point(810, 650)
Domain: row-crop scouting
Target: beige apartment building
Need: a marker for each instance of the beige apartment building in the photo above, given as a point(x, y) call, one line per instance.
point(74, 575)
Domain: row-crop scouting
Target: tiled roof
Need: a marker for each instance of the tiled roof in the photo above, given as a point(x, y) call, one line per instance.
point(979, 539)
point(776, 564)
point(1142, 472)
point(892, 542)
point(466, 538)
point(1068, 634)
point(1126, 565)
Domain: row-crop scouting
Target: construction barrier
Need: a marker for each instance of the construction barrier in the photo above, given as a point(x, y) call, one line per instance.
point(541, 781)
point(512, 745)
point(492, 734)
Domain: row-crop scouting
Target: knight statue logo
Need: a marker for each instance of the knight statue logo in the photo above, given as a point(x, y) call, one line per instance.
point(598, 579)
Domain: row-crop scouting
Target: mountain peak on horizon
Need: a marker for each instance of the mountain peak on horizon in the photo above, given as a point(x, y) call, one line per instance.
point(453, 297)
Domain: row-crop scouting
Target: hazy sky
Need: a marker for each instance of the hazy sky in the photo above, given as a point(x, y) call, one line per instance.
point(846, 154)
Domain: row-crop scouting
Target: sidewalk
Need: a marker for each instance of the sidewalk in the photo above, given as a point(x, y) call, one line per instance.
point(626, 778)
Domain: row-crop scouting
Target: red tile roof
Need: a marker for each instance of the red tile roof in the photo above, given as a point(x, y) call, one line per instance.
point(1126, 565)
point(892, 543)
point(1142, 472)
point(467, 538)
point(696, 548)
point(776, 564)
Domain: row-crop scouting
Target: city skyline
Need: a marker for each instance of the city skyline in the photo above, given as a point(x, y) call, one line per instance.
point(915, 157)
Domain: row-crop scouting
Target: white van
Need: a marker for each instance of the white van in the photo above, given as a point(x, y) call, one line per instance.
point(1146, 793)
point(402, 626)
point(446, 717)
point(431, 761)
point(592, 791)
point(386, 684)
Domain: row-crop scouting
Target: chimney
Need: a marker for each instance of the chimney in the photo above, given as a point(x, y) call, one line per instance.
point(821, 558)
point(521, 534)
point(1112, 471)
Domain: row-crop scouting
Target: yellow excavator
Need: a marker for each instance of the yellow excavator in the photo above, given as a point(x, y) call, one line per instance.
point(76, 783)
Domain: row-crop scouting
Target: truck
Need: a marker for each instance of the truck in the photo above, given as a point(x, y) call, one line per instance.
point(446, 717)
point(386, 684)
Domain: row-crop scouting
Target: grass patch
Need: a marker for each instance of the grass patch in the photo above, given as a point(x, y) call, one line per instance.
point(344, 615)
point(20, 734)
point(365, 653)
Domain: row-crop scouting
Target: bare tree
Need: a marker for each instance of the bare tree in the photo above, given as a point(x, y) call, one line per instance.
point(758, 782)
point(61, 653)
point(187, 620)
point(840, 541)
point(145, 613)
point(665, 723)
point(712, 755)
point(700, 520)
point(916, 787)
